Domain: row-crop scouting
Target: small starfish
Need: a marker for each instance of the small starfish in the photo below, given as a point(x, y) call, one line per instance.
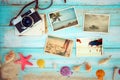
point(23, 61)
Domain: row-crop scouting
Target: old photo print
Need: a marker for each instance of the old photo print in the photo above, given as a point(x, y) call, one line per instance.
point(96, 22)
point(58, 46)
point(63, 19)
point(89, 46)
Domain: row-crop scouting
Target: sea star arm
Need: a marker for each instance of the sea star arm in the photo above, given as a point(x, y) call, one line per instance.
point(23, 66)
point(21, 55)
point(29, 63)
point(28, 57)
point(17, 61)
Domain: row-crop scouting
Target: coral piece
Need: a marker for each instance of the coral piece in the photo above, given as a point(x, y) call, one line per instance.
point(105, 60)
point(65, 71)
point(41, 63)
point(23, 61)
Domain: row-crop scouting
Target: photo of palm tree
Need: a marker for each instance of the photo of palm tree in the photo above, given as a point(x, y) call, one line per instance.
point(55, 16)
point(63, 19)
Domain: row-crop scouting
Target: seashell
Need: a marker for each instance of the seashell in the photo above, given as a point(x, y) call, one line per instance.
point(10, 56)
point(76, 68)
point(100, 74)
point(88, 67)
point(41, 63)
point(65, 71)
point(105, 60)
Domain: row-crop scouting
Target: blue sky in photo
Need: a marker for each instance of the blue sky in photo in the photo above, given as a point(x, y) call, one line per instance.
point(67, 15)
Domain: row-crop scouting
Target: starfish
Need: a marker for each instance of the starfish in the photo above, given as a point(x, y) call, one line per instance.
point(23, 61)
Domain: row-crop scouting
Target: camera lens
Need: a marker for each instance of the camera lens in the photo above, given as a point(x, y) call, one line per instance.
point(27, 21)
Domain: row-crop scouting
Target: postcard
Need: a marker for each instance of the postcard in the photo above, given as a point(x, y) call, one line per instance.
point(96, 22)
point(89, 47)
point(63, 19)
point(58, 46)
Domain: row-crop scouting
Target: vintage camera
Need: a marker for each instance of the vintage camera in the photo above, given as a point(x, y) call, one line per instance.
point(27, 20)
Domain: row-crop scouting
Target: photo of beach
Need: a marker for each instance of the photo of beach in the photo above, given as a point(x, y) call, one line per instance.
point(89, 46)
point(58, 46)
point(63, 19)
point(96, 22)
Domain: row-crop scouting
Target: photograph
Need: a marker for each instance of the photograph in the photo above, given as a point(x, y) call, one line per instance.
point(96, 23)
point(89, 47)
point(63, 19)
point(58, 46)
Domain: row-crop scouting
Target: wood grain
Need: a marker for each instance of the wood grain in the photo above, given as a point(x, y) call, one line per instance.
point(69, 2)
point(34, 45)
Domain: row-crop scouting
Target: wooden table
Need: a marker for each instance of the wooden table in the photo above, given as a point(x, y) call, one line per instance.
point(34, 45)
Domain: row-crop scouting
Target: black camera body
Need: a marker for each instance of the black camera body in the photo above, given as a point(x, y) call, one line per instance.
point(27, 20)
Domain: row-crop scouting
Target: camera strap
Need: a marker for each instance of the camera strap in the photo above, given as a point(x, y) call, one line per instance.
point(64, 1)
point(36, 7)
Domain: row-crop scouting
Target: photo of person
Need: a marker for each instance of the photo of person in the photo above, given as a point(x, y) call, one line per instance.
point(89, 46)
point(58, 46)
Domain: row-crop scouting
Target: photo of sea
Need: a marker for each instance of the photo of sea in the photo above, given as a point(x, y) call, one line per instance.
point(63, 19)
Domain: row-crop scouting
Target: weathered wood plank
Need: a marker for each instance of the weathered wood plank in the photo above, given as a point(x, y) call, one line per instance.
point(9, 39)
point(9, 12)
point(34, 45)
point(38, 53)
point(69, 2)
